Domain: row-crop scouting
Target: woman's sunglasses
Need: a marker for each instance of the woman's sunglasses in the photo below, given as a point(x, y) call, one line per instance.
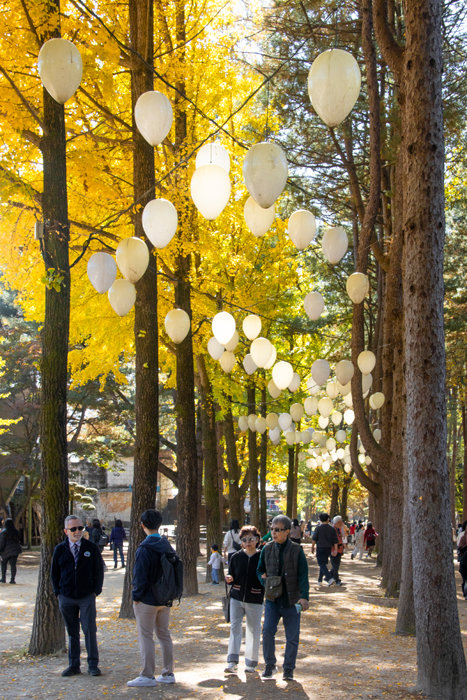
point(248, 539)
point(77, 527)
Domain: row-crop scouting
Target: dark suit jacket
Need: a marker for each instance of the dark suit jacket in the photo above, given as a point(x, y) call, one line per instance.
point(83, 580)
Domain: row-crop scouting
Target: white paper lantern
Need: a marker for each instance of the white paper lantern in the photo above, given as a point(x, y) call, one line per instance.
point(273, 391)
point(330, 444)
point(290, 438)
point(311, 405)
point(319, 438)
point(153, 116)
point(348, 399)
point(272, 359)
point(361, 459)
point(249, 364)
point(335, 244)
point(314, 305)
point(102, 271)
point(213, 153)
point(347, 468)
point(341, 436)
point(285, 421)
point(326, 465)
point(132, 258)
point(261, 350)
point(258, 219)
point(60, 68)
point(376, 400)
point(252, 421)
point(177, 325)
point(325, 406)
point(252, 326)
point(366, 362)
point(312, 386)
point(323, 422)
point(334, 85)
point(307, 435)
point(295, 383)
point(227, 361)
point(367, 381)
point(261, 424)
point(282, 374)
point(320, 371)
point(368, 460)
point(340, 453)
point(210, 190)
point(332, 390)
point(302, 228)
point(122, 296)
point(160, 221)
point(272, 421)
point(223, 327)
point(357, 287)
point(336, 418)
point(344, 389)
point(265, 173)
point(275, 434)
point(296, 411)
point(215, 349)
point(243, 423)
point(349, 416)
point(377, 434)
point(233, 342)
point(344, 371)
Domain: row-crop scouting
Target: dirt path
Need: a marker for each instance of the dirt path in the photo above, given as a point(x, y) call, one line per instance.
point(347, 647)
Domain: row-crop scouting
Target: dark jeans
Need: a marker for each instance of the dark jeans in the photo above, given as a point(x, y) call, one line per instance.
point(291, 619)
point(322, 557)
point(74, 611)
point(335, 564)
point(118, 548)
point(12, 561)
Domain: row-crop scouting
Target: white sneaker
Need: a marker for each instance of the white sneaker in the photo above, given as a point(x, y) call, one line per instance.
point(250, 669)
point(166, 677)
point(331, 582)
point(231, 667)
point(141, 681)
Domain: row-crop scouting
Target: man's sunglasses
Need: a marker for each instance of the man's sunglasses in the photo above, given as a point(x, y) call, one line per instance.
point(278, 529)
point(76, 527)
point(248, 539)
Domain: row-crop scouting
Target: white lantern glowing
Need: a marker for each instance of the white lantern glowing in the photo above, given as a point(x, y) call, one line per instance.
point(334, 85)
point(223, 327)
point(252, 326)
point(368, 460)
point(312, 386)
point(330, 444)
point(332, 390)
point(160, 221)
point(366, 362)
point(311, 405)
point(261, 424)
point(341, 436)
point(60, 68)
point(357, 287)
point(295, 383)
point(290, 437)
point(361, 459)
point(275, 435)
point(272, 421)
point(319, 438)
point(285, 421)
point(265, 172)
point(296, 411)
point(102, 271)
point(302, 228)
point(132, 258)
point(177, 325)
point(367, 381)
point(233, 342)
point(122, 296)
point(153, 116)
point(348, 400)
point(347, 468)
point(243, 423)
point(210, 190)
point(252, 421)
point(376, 400)
point(213, 153)
point(215, 349)
point(282, 374)
point(260, 350)
point(307, 435)
point(325, 407)
point(344, 371)
point(320, 371)
point(335, 244)
point(340, 453)
point(314, 305)
point(349, 416)
point(344, 389)
point(227, 361)
point(273, 391)
point(323, 422)
point(258, 219)
point(336, 418)
point(326, 465)
point(377, 434)
point(249, 364)
point(272, 359)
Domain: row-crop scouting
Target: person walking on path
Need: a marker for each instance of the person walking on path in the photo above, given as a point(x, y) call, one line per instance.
point(77, 575)
point(296, 532)
point(117, 535)
point(338, 525)
point(246, 598)
point(369, 539)
point(359, 536)
point(232, 542)
point(151, 614)
point(10, 548)
point(283, 571)
point(325, 541)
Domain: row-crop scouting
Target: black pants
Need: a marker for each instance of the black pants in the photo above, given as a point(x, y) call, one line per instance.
point(12, 561)
point(74, 611)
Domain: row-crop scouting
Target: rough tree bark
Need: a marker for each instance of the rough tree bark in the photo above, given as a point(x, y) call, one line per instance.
point(263, 459)
point(253, 458)
point(233, 468)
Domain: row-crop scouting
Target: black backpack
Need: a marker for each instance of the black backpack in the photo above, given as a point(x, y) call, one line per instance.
point(169, 585)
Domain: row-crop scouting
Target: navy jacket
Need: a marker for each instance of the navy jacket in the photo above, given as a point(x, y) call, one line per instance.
point(83, 580)
point(147, 568)
point(245, 584)
point(117, 536)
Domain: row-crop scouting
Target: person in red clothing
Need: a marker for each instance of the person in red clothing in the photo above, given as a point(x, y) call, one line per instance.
point(352, 532)
point(369, 538)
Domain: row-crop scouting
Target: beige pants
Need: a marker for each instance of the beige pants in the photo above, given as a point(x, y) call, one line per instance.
point(150, 619)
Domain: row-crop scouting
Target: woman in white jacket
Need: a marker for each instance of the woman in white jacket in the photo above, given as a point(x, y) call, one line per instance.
point(359, 535)
point(232, 542)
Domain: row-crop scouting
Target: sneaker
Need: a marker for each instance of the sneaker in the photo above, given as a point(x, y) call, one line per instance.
point(71, 671)
point(287, 675)
point(250, 669)
point(166, 677)
point(331, 582)
point(269, 671)
point(338, 583)
point(141, 681)
point(231, 667)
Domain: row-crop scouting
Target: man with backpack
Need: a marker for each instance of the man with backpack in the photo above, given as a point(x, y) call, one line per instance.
point(157, 581)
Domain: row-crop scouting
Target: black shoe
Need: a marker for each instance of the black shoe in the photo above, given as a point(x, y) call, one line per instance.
point(287, 675)
point(71, 671)
point(12, 581)
point(269, 671)
point(94, 671)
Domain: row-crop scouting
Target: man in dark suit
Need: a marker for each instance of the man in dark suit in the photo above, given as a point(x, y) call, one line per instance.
point(77, 576)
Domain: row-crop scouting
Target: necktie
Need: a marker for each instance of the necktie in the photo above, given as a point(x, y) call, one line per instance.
point(75, 553)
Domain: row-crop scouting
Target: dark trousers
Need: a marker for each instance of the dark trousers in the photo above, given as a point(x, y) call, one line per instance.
point(12, 561)
point(118, 548)
point(322, 557)
point(335, 564)
point(291, 618)
point(74, 611)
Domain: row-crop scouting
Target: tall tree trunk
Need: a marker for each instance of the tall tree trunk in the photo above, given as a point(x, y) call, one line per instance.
point(441, 662)
point(47, 632)
point(334, 499)
point(344, 498)
point(464, 462)
point(253, 459)
point(263, 459)
point(290, 480)
point(145, 328)
point(454, 435)
point(295, 484)
point(233, 468)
